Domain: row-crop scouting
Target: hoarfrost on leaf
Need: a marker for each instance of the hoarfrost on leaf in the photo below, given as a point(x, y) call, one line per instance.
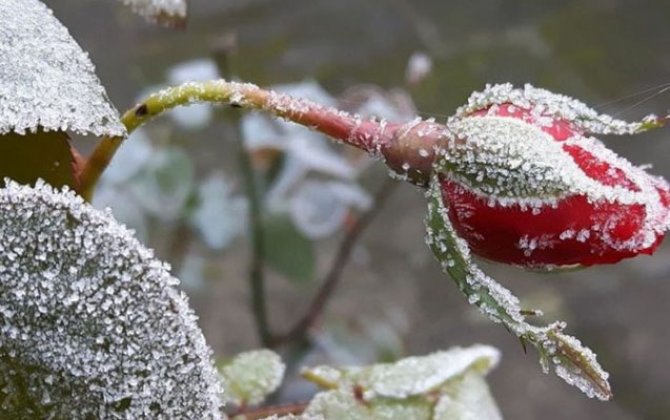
point(422, 374)
point(412, 388)
point(46, 80)
point(342, 404)
point(91, 325)
point(251, 376)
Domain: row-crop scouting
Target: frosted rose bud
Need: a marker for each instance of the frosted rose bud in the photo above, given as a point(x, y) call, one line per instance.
point(527, 185)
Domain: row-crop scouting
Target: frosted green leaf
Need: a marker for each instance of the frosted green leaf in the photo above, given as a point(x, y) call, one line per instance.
point(342, 404)
point(410, 376)
point(422, 374)
point(167, 11)
point(91, 323)
point(407, 389)
point(251, 376)
point(573, 362)
point(338, 404)
point(468, 399)
point(46, 80)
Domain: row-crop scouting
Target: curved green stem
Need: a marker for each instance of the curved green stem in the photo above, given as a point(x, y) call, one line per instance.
point(368, 135)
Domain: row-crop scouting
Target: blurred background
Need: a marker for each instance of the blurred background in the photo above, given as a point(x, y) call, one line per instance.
point(178, 182)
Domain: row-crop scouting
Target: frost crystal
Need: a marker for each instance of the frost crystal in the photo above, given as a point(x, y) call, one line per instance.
point(91, 325)
point(46, 80)
point(172, 10)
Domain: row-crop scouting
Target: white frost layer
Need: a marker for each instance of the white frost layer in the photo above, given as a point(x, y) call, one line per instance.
point(509, 162)
point(91, 325)
point(46, 80)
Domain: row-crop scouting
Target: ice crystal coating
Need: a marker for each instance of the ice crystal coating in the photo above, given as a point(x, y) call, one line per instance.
point(553, 105)
point(576, 364)
point(172, 10)
point(420, 387)
point(46, 80)
point(527, 185)
point(91, 325)
point(251, 376)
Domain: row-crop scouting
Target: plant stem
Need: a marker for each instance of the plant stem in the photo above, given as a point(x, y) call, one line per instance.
point(368, 135)
point(255, 212)
point(257, 240)
point(332, 279)
point(257, 263)
point(264, 412)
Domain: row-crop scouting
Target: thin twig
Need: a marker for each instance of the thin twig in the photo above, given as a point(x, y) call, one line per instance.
point(332, 279)
point(263, 412)
point(257, 263)
point(257, 241)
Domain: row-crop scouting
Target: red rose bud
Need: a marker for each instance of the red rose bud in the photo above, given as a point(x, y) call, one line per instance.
point(526, 184)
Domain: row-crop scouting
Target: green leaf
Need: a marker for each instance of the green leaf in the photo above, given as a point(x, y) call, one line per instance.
point(287, 251)
point(251, 376)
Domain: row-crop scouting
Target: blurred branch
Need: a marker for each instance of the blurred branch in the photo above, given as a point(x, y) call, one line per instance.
point(264, 412)
point(222, 55)
point(257, 264)
point(332, 279)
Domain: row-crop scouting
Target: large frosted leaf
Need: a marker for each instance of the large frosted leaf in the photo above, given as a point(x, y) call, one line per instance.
point(165, 11)
point(46, 80)
point(91, 325)
point(251, 376)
